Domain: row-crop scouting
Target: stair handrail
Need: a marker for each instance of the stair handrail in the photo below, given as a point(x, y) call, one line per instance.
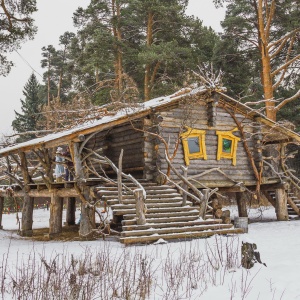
point(293, 180)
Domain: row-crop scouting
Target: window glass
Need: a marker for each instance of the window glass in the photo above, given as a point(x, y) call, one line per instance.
point(194, 145)
point(226, 147)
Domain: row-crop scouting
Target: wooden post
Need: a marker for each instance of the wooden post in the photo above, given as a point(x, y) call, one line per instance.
point(241, 204)
point(184, 186)
point(140, 207)
point(281, 205)
point(28, 204)
point(1, 211)
point(120, 177)
point(71, 209)
point(27, 216)
point(87, 223)
point(56, 208)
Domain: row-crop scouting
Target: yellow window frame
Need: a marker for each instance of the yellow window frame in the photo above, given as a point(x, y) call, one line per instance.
point(228, 135)
point(192, 133)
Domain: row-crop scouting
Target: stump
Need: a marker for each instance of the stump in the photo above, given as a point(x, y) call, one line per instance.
point(250, 256)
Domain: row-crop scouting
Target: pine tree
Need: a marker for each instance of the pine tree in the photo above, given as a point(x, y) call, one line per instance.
point(27, 121)
point(144, 46)
point(268, 30)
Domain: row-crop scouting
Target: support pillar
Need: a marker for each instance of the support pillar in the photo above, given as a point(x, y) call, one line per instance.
point(241, 204)
point(27, 216)
point(56, 209)
point(71, 209)
point(1, 211)
point(87, 222)
point(281, 205)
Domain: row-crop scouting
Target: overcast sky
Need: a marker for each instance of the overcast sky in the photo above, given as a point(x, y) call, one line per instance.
point(53, 19)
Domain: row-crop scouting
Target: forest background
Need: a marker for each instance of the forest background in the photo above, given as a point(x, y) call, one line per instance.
point(130, 51)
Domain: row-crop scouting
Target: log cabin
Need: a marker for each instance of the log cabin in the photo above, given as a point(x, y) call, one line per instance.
point(159, 167)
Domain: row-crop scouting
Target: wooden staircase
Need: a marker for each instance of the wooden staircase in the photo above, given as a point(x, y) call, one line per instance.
point(166, 218)
point(293, 203)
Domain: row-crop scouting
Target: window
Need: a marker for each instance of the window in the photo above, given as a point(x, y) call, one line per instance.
point(193, 141)
point(227, 145)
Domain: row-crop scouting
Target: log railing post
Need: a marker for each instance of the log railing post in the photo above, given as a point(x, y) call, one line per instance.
point(184, 186)
point(120, 177)
point(203, 204)
point(140, 207)
point(1, 211)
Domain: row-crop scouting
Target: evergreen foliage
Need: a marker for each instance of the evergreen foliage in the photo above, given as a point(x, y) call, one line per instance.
point(259, 38)
point(28, 120)
point(132, 49)
point(16, 26)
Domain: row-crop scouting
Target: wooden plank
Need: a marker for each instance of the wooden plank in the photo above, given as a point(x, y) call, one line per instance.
point(164, 215)
point(164, 220)
point(171, 224)
point(182, 235)
point(174, 230)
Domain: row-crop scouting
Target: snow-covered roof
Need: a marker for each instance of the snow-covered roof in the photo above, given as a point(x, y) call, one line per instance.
point(125, 114)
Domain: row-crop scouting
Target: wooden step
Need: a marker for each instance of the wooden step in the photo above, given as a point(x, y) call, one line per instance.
point(163, 215)
point(130, 211)
point(161, 196)
point(181, 235)
point(171, 224)
point(175, 230)
point(105, 192)
point(176, 218)
point(148, 204)
point(147, 188)
point(133, 201)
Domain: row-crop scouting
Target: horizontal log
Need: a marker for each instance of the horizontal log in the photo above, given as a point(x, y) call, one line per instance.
point(62, 193)
point(182, 235)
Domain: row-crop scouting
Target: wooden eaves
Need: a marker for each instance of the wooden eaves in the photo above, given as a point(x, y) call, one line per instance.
point(72, 135)
point(161, 103)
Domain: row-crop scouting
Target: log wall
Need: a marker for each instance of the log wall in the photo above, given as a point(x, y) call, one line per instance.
point(120, 137)
point(196, 117)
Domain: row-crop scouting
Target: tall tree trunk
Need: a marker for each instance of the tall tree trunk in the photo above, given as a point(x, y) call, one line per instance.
point(116, 12)
point(266, 76)
point(149, 41)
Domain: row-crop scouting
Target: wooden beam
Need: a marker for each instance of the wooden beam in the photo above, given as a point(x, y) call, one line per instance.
point(64, 192)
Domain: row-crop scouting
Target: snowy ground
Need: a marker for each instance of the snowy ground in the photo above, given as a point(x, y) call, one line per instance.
point(277, 243)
